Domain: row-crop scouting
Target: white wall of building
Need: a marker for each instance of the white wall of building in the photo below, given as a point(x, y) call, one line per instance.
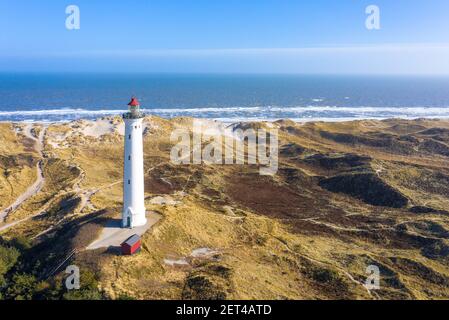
point(133, 177)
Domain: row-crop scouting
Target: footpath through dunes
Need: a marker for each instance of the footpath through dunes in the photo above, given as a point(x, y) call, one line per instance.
point(36, 135)
point(363, 193)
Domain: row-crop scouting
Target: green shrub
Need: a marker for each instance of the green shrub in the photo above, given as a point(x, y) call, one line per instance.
point(21, 243)
point(88, 291)
point(8, 258)
point(22, 287)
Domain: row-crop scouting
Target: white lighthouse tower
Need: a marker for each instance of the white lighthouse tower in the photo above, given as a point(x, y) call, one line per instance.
point(133, 214)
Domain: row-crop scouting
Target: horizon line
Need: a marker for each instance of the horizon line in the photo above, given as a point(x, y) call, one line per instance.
point(183, 52)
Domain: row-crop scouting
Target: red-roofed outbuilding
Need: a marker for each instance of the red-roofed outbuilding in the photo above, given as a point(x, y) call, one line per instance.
point(131, 245)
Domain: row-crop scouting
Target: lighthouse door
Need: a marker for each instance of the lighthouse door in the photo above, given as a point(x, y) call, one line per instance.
point(128, 221)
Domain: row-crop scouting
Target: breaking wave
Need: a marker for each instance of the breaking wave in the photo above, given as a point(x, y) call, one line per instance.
point(229, 114)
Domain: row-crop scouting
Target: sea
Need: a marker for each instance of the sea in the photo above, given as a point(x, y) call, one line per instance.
point(50, 97)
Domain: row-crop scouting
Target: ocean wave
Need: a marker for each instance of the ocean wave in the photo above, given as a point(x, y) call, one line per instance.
point(253, 112)
point(416, 110)
point(58, 112)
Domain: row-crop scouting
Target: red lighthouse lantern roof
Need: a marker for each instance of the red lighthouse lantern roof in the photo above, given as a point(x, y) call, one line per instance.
point(134, 102)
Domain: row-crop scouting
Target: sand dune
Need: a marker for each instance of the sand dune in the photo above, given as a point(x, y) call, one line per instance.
point(346, 195)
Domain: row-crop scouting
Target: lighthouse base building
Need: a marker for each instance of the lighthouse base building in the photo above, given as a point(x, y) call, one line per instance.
point(133, 214)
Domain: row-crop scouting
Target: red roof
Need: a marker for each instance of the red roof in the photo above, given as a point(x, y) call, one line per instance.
point(131, 245)
point(134, 102)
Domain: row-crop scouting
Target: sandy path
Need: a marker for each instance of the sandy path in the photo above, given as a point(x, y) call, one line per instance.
point(11, 224)
point(38, 184)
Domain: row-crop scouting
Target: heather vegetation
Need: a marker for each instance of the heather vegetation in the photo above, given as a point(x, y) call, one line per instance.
point(346, 196)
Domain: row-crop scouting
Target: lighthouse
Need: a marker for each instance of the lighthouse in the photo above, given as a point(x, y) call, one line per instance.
point(133, 214)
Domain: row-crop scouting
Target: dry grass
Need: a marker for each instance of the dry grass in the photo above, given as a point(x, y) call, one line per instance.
point(281, 237)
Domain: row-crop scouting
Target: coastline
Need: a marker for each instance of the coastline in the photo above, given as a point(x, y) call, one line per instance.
point(237, 120)
point(268, 113)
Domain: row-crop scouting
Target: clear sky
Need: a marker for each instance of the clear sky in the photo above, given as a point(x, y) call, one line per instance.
point(244, 36)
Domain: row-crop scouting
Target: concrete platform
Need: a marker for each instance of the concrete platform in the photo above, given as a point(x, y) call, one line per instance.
point(113, 234)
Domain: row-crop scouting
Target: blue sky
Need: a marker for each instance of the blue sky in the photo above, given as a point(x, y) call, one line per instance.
point(241, 36)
